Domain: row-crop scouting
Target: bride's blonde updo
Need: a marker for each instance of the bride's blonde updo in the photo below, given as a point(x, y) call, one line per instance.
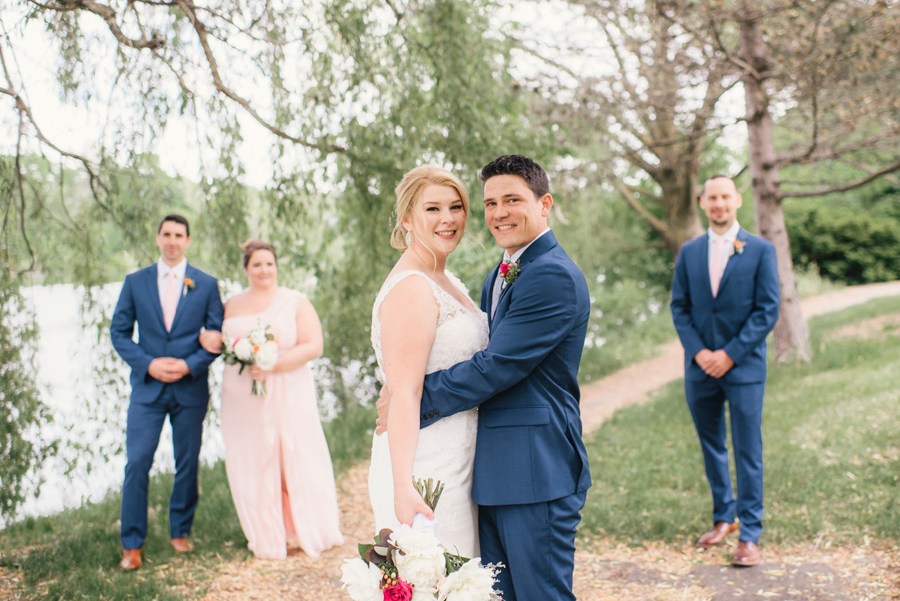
point(252, 245)
point(409, 191)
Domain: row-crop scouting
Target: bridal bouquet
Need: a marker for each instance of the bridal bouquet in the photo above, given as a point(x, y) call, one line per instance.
point(411, 565)
point(258, 348)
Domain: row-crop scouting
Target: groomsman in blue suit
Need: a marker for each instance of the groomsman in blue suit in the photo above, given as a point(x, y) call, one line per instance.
point(171, 302)
point(531, 469)
point(725, 299)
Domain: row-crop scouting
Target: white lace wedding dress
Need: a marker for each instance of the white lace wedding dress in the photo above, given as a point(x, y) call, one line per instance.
point(446, 448)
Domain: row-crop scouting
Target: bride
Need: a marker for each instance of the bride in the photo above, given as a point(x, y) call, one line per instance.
point(424, 321)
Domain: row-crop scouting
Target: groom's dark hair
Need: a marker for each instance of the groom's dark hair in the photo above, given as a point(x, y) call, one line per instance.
point(175, 219)
point(516, 164)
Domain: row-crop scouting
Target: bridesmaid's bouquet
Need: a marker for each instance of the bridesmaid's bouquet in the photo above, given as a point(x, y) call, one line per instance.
point(258, 348)
point(411, 565)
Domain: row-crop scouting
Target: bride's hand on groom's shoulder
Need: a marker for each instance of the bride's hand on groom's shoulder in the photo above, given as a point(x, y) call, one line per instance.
point(383, 404)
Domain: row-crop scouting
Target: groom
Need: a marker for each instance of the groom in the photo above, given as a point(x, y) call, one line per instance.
point(170, 301)
point(531, 469)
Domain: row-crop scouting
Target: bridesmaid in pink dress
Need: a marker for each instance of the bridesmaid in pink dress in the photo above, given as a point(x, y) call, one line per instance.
point(276, 456)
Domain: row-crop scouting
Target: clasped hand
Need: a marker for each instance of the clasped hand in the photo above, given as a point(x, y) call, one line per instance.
point(714, 363)
point(167, 369)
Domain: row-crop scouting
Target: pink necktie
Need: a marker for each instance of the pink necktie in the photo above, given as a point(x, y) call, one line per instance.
point(171, 299)
point(715, 267)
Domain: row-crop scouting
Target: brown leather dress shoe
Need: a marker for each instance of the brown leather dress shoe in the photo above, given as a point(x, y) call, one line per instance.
point(746, 554)
point(182, 544)
point(717, 534)
point(131, 560)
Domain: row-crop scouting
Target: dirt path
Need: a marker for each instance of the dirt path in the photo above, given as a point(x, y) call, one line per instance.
point(637, 382)
point(604, 571)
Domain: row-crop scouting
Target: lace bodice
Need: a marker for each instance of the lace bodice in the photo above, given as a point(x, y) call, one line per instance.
point(460, 333)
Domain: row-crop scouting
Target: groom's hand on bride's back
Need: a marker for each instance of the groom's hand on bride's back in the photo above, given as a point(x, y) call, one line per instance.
point(383, 404)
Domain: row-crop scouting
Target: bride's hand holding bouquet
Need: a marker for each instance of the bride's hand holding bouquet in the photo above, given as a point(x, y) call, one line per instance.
point(410, 564)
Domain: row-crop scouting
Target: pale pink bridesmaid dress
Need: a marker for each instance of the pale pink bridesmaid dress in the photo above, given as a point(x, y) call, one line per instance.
point(278, 435)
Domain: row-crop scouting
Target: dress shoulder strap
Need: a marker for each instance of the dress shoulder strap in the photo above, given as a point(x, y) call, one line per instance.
point(392, 282)
point(456, 281)
point(386, 288)
point(285, 298)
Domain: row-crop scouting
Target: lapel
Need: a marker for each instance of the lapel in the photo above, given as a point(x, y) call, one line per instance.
point(538, 248)
point(733, 261)
point(189, 272)
point(492, 276)
point(703, 266)
point(151, 280)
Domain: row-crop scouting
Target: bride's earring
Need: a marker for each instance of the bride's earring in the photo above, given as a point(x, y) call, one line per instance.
point(408, 237)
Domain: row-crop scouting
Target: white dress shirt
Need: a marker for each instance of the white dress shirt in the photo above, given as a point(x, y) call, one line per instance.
point(162, 281)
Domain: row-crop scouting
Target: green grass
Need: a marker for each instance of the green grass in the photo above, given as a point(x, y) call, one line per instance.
point(831, 450)
point(75, 554)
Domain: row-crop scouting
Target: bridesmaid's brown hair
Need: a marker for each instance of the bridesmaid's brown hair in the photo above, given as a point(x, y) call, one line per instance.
point(251, 246)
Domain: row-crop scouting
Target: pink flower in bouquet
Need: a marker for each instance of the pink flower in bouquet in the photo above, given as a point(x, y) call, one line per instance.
point(402, 591)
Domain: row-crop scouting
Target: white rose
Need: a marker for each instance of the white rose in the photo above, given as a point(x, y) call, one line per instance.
point(243, 348)
point(472, 582)
point(422, 562)
point(267, 356)
point(258, 336)
point(361, 580)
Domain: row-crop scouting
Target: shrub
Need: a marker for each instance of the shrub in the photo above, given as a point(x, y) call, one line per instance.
point(848, 245)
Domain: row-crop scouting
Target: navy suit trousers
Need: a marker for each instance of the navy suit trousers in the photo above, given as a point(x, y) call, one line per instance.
point(145, 422)
point(706, 400)
point(539, 559)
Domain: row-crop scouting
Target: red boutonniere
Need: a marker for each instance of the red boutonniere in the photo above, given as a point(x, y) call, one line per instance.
point(509, 272)
point(739, 247)
point(189, 284)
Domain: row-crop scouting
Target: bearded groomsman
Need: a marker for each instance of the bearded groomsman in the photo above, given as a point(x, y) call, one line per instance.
point(725, 298)
point(171, 302)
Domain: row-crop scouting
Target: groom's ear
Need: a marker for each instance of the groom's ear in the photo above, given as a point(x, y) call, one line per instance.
point(546, 204)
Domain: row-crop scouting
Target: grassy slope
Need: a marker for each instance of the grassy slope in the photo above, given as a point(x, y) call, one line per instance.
point(831, 452)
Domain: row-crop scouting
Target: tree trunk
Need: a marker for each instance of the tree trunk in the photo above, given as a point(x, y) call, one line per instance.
point(791, 332)
point(682, 210)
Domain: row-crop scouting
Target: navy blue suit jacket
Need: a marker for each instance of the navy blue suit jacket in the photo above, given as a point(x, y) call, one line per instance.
point(529, 446)
point(738, 318)
point(197, 308)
